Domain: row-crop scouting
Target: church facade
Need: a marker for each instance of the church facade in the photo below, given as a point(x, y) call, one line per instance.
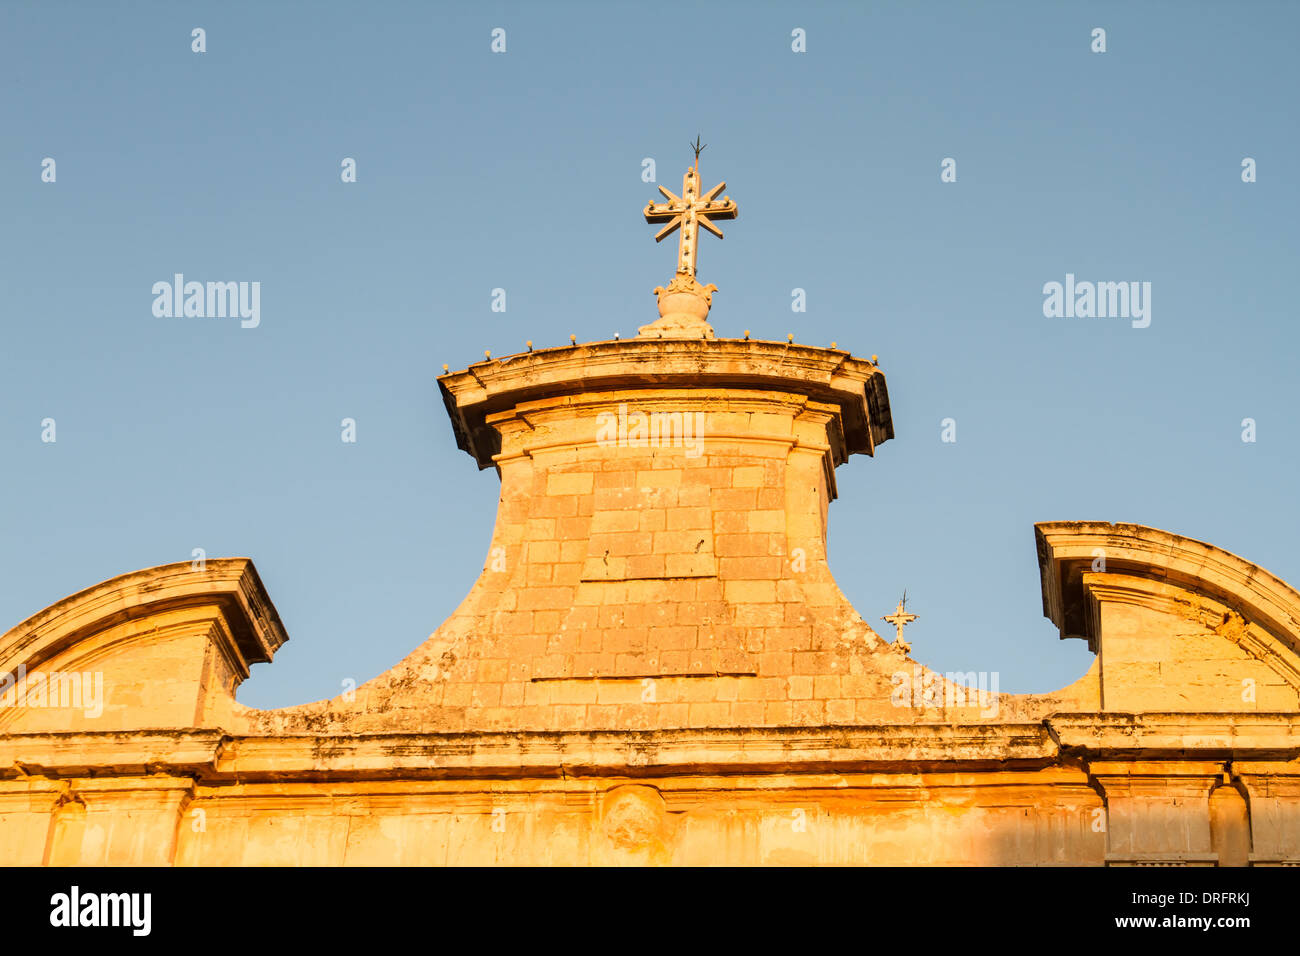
point(656, 665)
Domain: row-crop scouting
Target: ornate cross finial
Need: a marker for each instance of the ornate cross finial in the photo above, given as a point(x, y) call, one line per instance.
point(689, 211)
point(900, 619)
point(684, 304)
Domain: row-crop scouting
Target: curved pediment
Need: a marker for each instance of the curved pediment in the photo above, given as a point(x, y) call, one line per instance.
point(1178, 624)
point(163, 646)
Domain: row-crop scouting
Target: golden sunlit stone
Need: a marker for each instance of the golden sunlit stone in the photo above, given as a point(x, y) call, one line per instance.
point(657, 666)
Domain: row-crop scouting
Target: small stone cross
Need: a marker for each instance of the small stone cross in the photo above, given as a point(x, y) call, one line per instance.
point(900, 618)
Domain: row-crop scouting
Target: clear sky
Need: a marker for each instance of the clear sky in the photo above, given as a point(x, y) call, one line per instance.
point(479, 170)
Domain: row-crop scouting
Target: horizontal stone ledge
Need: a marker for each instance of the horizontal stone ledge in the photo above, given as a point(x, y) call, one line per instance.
point(1262, 735)
point(624, 753)
point(855, 386)
point(651, 577)
point(116, 752)
point(900, 749)
point(599, 678)
point(1162, 859)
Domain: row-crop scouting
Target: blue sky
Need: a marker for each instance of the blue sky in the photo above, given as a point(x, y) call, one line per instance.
point(522, 171)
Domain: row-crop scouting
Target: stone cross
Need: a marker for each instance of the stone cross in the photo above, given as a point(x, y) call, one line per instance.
point(688, 212)
point(900, 618)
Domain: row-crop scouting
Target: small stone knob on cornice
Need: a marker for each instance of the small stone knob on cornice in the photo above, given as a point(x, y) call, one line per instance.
point(445, 368)
point(746, 335)
point(790, 337)
point(573, 340)
point(487, 353)
point(529, 343)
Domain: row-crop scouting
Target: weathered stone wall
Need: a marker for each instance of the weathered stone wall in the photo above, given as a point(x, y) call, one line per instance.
point(657, 666)
point(1079, 791)
point(634, 586)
